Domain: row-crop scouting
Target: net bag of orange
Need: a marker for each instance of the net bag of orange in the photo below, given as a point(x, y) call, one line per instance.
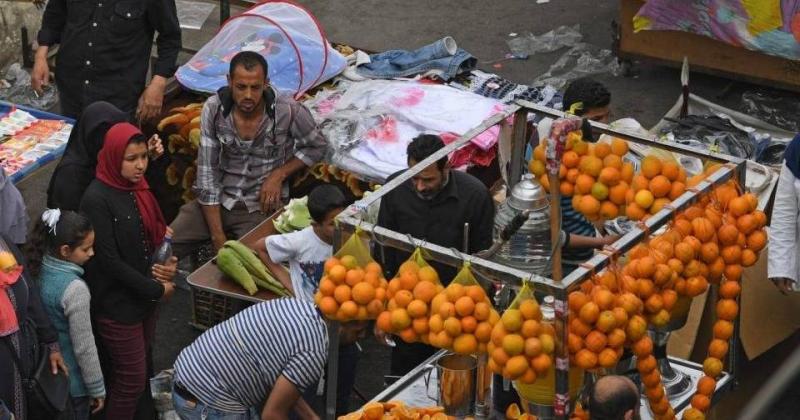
point(522, 345)
point(410, 294)
point(462, 316)
point(352, 286)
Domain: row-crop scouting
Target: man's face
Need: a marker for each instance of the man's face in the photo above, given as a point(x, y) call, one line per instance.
point(600, 115)
point(247, 87)
point(328, 226)
point(429, 181)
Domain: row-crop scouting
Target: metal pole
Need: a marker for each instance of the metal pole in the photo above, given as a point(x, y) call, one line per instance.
point(224, 11)
point(518, 143)
point(332, 378)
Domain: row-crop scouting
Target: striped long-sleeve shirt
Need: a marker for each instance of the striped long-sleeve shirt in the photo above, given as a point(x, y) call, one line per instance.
point(574, 222)
point(232, 169)
point(233, 366)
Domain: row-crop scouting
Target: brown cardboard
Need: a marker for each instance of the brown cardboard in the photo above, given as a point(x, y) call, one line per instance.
point(682, 341)
point(768, 316)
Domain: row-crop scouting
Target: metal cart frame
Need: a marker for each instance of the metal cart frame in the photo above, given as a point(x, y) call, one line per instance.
point(351, 218)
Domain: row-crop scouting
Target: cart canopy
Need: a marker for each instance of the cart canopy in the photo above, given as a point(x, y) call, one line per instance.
point(286, 34)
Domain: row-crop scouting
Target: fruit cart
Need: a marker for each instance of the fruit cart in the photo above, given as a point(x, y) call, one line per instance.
point(558, 286)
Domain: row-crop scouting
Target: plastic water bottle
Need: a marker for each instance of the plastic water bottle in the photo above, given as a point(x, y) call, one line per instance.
point(164, 252)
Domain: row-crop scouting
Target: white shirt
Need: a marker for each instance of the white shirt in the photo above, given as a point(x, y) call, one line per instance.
point(306, 254)
point(784, 235)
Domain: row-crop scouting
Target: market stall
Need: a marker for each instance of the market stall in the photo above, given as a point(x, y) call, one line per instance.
point(508, 278)
point(29, 139)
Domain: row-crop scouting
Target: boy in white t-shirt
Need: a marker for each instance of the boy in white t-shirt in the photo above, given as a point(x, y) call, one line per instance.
point(305, 250)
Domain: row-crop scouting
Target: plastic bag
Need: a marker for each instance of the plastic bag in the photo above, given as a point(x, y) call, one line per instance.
point(775, 107)
point(581, 60)
point(16, 88)
point(357, 246)
point(529, 44)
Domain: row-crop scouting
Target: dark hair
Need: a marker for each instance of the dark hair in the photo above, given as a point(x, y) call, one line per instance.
point(423, 146)
point(71, 229)
point(249, 60)
point(616, 399)
point(324, 199)
point(592, 93)
point(137, 139)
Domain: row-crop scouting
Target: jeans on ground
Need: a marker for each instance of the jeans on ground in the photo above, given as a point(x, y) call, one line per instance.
point(188, 410)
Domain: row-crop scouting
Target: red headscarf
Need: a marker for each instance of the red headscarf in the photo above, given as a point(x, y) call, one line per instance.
point(109, 167)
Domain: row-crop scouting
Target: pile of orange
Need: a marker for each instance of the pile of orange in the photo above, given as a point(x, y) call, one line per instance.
point(521, 346)
point(598, 323)
point(461, 320)
point(514, 413)
point(655, 186)
point(348, 292)
point(395, 410)
point(600, 180)
point(410, 296)
point(574, 150)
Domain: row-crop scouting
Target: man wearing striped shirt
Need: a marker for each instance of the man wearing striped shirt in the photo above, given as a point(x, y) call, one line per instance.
point(255, 365)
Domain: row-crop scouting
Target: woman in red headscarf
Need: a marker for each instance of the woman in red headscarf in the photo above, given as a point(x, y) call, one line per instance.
point(125, 289)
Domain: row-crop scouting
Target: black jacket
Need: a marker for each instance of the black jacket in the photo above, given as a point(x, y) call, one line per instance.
point(119, 273)
point(105, 48)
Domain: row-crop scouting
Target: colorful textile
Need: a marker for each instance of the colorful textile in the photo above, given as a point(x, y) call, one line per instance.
point(769, 26)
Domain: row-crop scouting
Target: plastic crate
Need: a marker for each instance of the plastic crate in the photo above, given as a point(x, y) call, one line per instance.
point(209, 309)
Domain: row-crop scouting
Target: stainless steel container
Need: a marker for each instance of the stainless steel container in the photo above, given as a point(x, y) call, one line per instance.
point(529, 248)
point(457, 384)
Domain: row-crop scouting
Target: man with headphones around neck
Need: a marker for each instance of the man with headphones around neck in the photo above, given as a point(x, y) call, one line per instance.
point(252, 142)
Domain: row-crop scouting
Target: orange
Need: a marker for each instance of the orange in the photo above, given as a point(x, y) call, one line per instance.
point(447, 310)
point(548, 342)
point(603, 298)
point(328, 305)
point(574, 343)
point(658, 205)
point(589, 313)
point(465, 344)
point(676, 190)
point(709, 252)
point(733, 272)
point(616, 194)
point(499, 356)
point(712, 367)
point(586, 359)
point(342, 293)
point(436, 323)
point(703, 229)
point(408, 266)
point(651, 379)
point(670, 298)
point(646, 364)
point(512, 412)
point(701, 402)
point(542, 363)
point(616, 338)
point(400, 320)
point(643, 347)
point(475, 293)
point(670, 170)
point(570, 159)
point(330, 263)
point(372, 278)
point(512, 320)
point(425, 290)
point(747, 224)
point(651, 166)
point(609, 176)
point(732, 254)
point(452, 326)
point(420, 326)
point(692, 413)
point(337, 274)
point(645, 288)
point(723, 329)
point(612, 161)
point(662, 275)
point(528, 377)
point(761, 218)
point(739, 206)
point(627, 172)
point(403, 298)
point(683, 226)
point(354, 276)
point(757, 240)
point(363, 293)
point(727, 309)
point(513, 344)
point(327, 286)
point(516, 366)
point(576, 300)
point(349, 262)
point(483, 332)
point(602, 150)
point(530, 310)
point(373, 267)
point(417, 308)
point(714, 215)
point(634, 212)
point(454, 291)
point(718, 348)
point(482, 311)
point(374, 308)
point(572, 175)
point(408, 335)
point(465, 306)
point(630, 302)
point(530, 328)
point(728, 234)
point(591, 165)
point(498, 332)
point(655, 394)
point(606, 321)
point(589, 205)
point(676, 265)
point(583, 184)
point(644, 198)
point(536, 167)
point(660, 186)
point(749, 258)
point(619, 147)
point(654, 303)
point(596, 341)
point(579, 327)
point(539, 152)
point(696, 286)
point(408, 280)
point(469, 324)
point(706, 386)
point(349, 310)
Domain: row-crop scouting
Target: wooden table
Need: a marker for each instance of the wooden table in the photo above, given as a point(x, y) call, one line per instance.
point(210, 279)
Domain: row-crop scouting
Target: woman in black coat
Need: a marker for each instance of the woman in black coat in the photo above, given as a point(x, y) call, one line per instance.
point(25, 300)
